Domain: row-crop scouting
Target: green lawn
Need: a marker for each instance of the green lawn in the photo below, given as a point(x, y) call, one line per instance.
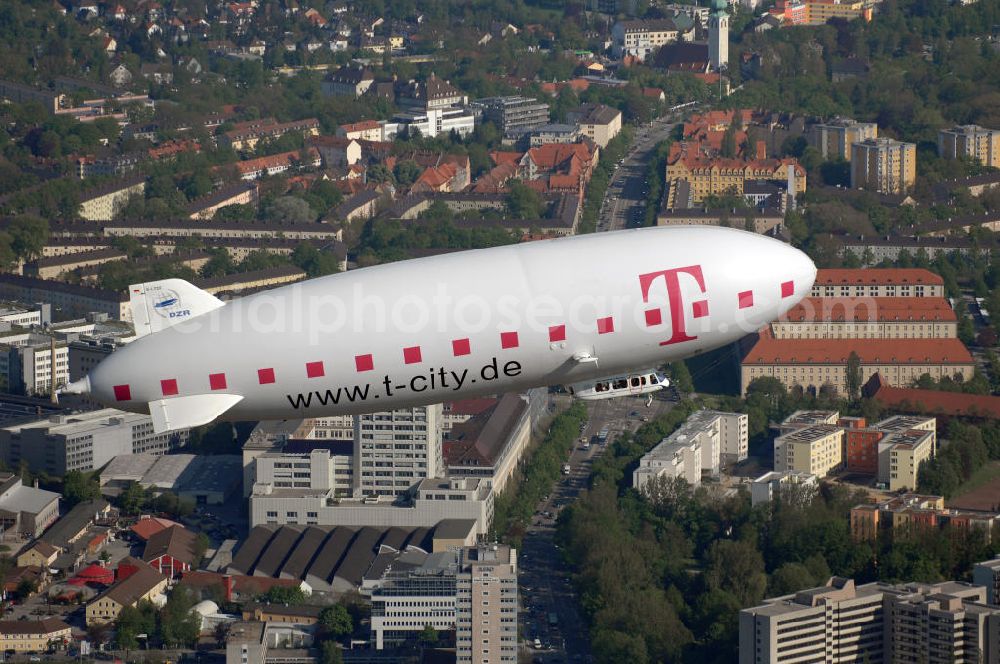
point(981, 477)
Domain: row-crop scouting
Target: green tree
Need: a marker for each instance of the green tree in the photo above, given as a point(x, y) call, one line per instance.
point(681, 376)
point(331, 653)
point(406, 172)
point(133, 499)
point(853, 376)
point(523, 202)
point(290, 209)
point(78, 487)
point(284, 595)
point(29, 235)
point(428, 636)
point(335, 622)
point(179, 624)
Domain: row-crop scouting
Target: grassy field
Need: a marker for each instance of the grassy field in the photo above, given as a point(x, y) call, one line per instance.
point(981, 491)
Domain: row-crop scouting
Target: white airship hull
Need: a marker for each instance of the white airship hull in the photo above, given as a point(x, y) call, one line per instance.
point(480, 322)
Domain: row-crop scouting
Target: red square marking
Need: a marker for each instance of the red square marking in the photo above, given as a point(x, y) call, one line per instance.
point(169, 387)
point(217, 381)
point(653, 317)
point(605, 325)
point(557, 333)
point(460, 347)
point(412, 355)
point(509, 340)
point(315, 369)
point(699, 309)
point(787, 289)
point(746, 299)
point(265, 376)
point(123, 393)
point(364, 362)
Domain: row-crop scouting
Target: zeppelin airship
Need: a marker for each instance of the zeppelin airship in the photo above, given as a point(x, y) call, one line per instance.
point(597, 313)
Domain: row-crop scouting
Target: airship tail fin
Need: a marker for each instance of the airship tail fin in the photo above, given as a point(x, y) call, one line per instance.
point(157, 305)
point(190, 411)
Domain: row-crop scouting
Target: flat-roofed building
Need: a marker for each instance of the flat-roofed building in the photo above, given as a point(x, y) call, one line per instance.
point(801, 419)
point(883, 165)
point(394, 450)
point(486, 605)
point(868, 318)
point(877, 282)
point(970, 141)
point(834, 139)
point(696, 447)
point(912, 513)
point(411, 589)
point(83, 441)
point(69, 300)
point(873, 622)
point(597, 122)
point(816, 450)
point(327, 467)
point(25, 510)
point(900, 455)
point(107, 201)
point(773, 485)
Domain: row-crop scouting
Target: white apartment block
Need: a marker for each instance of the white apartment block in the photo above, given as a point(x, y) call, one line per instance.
point(430, 123)
point(900, 455)
point(420, 592)
point(874, 622)
point(764, 489)
point(83, 441)
point(816, 450)
point(394, 450)
point(486, 605)
point(21, 317)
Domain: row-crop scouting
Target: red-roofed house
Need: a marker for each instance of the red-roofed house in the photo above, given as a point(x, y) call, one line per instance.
point(878, 282)
point(146, 528)
point(930, 402)
point(252, 169)
point(364, 130)
point(464, 410)
point(813, 363)
point(172, 551)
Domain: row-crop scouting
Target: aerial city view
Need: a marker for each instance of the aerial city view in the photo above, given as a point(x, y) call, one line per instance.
point(500, 331)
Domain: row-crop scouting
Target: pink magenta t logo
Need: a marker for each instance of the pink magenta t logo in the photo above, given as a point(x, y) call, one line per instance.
point(672, 280)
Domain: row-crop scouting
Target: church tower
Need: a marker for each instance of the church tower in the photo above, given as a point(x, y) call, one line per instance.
point(718, 35)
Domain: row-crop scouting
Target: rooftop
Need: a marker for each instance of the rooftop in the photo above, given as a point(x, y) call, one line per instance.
point(881, 309)
point(935, 402)
point(876, 277)
point(769, 350)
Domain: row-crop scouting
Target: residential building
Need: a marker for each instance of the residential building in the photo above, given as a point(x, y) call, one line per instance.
point(486, 605)
point(816, 450)
point(51, 267)
point(326, 467)
point(802, 419)
point(834, 139)
point(911, 513)
point(37, 554)
point(762, 221)
point(83, 441)
point(348, 82)
point(25, 510)
point(513, 115)
point(136, 582)
point(710, 175)
point(971, 141)
point(237, 193)
point(883, 165)
point(987, 575)
point(872, 250)
point(811, 364)
point(362, 130)
point(26, 362)
point(695, 447)
point(597, 122)
point(68, 300)
point(336, 150)
point(245, 136)
point(394, 450)
point(768, 486)
point(553, 133)
point(877, 282)
point(640, 38)
point(432, 93)
point(252, 169)
point(868, 318)
point(874, 622)
point(107, 201)
point(31, 636)
point(172, 551)
point(900, 455)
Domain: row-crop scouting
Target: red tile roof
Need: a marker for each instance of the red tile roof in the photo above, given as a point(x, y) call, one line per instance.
point(146, 528)
point(935, 402)
point(865, 309)
point(470, 406)
point(876, 276)
point(363, 125)
point(769, 350)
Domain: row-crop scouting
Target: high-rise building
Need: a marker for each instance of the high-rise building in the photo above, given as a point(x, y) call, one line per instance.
point(394, 450)
point(718, 35)
point(884, 165)
point(874, 622)
point(834, 139)
point(486, 605)
point(972, 141)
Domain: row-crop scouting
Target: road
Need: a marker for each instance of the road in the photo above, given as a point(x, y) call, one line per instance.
point(545, 584)
point(625, 202)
